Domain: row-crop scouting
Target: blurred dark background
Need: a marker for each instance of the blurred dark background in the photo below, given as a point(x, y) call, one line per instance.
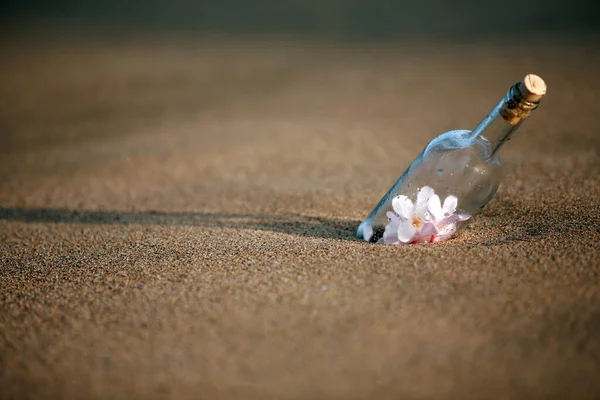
point(331, 18)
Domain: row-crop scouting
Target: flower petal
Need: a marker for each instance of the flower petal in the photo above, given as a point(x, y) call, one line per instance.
point(421, 239)
point(463, 217)
point(403, 206)
point(390, 235)
point(428, 230)
point(422, 198)
point(454, 219)
point(450, 205)
point(392, 216)
point(447, 230)
point(434, 207)
point(441, 238)
point(406, 231)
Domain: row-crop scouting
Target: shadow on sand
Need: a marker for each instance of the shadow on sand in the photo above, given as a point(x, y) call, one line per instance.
point(517, 222)
point(294, 224)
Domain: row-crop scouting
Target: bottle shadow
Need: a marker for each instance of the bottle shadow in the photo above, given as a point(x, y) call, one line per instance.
point(294, 224)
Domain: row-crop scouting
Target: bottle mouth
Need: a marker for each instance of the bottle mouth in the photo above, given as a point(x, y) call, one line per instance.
point(516, 107)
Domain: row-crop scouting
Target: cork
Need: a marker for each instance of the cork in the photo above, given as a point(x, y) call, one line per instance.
point(533, 88)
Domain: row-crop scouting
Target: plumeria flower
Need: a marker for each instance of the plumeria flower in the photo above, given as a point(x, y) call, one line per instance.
point(423, 221)
point(443, 217)
point(409, 221)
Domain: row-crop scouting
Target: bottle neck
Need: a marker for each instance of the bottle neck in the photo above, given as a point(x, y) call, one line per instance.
point(504, 119)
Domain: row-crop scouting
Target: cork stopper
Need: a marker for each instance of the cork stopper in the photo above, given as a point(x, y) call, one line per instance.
point(533, 88)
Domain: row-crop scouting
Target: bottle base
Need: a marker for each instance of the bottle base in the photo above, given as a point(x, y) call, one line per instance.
point(364, 231)
point(367, 232)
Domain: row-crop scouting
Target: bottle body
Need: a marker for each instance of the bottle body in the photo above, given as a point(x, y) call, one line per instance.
point(453, 164)
point(450, 182)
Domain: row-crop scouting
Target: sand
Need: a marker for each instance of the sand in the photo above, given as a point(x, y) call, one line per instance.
point(177, 221)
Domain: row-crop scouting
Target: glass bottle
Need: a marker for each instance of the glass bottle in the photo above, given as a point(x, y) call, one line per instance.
point(453, 178)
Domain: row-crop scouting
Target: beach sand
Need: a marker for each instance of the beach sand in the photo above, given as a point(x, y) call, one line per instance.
point(177, 221)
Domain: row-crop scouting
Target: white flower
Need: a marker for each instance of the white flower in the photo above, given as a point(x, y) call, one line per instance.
point(443, 217)
point(423, 222)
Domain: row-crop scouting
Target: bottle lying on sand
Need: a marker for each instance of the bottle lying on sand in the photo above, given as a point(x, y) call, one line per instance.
point(453, 178)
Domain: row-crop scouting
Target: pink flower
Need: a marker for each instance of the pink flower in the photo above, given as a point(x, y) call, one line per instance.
point(443, 217)
point(424, 222)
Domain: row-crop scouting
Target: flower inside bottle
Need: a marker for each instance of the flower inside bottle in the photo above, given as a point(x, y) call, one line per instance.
point(425, 221)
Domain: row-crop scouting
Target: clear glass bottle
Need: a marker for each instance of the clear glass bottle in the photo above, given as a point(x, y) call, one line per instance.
point(453, 178)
